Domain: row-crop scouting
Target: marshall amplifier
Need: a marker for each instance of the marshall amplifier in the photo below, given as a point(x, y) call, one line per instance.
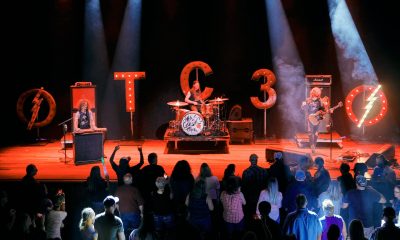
point(319, 80)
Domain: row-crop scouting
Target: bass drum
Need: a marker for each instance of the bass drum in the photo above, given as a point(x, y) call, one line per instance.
point(192, 123)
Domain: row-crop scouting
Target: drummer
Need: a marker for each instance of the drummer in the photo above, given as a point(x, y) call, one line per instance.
point(193, 97)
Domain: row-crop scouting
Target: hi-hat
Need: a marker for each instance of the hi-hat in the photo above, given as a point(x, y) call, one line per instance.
point(177, 103)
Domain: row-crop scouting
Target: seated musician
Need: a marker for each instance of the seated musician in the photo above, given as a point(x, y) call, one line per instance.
point(193, 97)
point(84, 118)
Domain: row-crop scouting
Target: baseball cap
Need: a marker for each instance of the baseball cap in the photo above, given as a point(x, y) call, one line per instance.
point(110, 201)
point(300, 175)
point(361, 180)
point(278, 155)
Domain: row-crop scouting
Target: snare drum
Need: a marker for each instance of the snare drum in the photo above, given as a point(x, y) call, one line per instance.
point(207, 110)
point(192, 123)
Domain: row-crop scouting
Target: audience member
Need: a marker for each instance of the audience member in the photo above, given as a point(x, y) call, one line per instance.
point(148, 176)
point(162, 208)
point(35, 190)
point(96, 189)
point(212, 182)
point(388, 230)
point(356, 230)
point(360, 202)
point(346, 180)
point(228, 172)
point(184, 230)
point(254, 179)
point(322, 178)
point(360, 169)
point(266, 227)
point(330, 219)
point(199, 206)
point(55, 217)
point(334, 233)
point(7, 216)
point(299, 186)
point(123, 167)
point(396, 200)
point(232, 200)
point(146, 231)
point(304, 224)
point(86, 226)
point(305, 163)
point(334, 194)
point(383, 178)
point(130, 205)
point(272, 195)
point(280, 171)
point(106, 224)
point(181, 182)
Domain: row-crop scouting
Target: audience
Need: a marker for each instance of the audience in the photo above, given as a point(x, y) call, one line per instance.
point(106, 224)
point(302, 223)
point(148, 176)
point(383, 178)
point(7, 216)
point(146, 231)
point(130, 205)
point(266, 227)
point(86, 226)
point(228, 172)
point(96, 189)
point(254, 179)
point(356, 230)
point(280, 171)
point(396, 200)
point(232, 200)
point(123, 167)
point(321, 179)
point(55, 217)
point(330, 219)
point(181, 182)
point(272, 195)
point(388, 230)
point(334, 194)
point(334, 233)
point(346, 180)
point(162, 208)
point(360, 202)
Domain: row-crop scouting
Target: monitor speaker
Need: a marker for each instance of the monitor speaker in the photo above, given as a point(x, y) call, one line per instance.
point(387, 150)
point(88, 148)
point(291, 158)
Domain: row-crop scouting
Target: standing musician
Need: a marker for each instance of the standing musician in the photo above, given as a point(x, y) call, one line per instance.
point(314, 105)
point(193, 96)
point(84, 120)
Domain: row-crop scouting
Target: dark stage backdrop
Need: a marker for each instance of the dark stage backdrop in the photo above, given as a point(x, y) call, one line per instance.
point(44, 48)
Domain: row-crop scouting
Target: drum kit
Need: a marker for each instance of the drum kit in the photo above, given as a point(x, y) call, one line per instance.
point(193, 123)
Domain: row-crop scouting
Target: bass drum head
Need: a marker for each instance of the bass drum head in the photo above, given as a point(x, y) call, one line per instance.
point(192, 123)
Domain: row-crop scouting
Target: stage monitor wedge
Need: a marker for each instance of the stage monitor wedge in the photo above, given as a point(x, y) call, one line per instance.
point(387, 150)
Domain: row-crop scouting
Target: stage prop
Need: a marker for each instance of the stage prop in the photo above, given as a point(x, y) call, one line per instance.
point(194, 131)
point(88, 147)
point(293, 159)
point(373, 99)
point(39, 95)
point(326, 132)
point(130, 78)
point(269, 80)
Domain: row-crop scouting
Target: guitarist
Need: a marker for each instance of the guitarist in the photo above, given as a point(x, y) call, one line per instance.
point(312, 105)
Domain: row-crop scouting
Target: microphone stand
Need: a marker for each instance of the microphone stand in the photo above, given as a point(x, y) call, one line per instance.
point(65, 130)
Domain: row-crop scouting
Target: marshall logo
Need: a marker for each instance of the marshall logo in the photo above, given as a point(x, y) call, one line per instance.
point(319, 79)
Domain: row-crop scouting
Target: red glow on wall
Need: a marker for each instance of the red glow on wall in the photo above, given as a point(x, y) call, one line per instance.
point(370, 119)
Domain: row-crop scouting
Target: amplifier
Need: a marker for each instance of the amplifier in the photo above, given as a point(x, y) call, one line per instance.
point(319, 80)
point(241, 131)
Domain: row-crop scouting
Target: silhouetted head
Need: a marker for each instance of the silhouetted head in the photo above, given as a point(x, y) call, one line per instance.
point(265, 208)
point(31, 170)
point(301, 201)
point(152, 158)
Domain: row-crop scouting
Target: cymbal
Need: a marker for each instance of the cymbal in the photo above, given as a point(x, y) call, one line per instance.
point(177, 103)
point(218, 100)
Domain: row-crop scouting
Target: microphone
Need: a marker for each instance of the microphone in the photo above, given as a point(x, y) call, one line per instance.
point(65, 128)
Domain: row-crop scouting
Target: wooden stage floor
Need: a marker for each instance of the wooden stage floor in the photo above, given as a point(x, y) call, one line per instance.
point(49, 158)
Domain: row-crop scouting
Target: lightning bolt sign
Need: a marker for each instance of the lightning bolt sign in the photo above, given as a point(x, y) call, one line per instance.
point(371, 100)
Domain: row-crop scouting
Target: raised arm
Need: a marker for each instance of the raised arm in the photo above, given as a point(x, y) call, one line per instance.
point(113, 164)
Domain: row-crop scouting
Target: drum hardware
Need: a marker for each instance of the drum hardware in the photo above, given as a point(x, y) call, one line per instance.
point(179, 113)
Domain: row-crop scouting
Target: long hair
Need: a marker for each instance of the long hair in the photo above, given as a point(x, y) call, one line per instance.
point(81, 102)
point(199, 189)
point(94, 179)
point(205, 171)
point(229, 171)
point(334, 191)
point(182, 171)
point(273, 190)
point(356, 229)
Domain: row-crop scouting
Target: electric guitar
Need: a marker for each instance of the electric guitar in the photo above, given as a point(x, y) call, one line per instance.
point(315, 118)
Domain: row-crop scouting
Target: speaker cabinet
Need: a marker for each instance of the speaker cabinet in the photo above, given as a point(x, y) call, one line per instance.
point(293, 159)
point(241, 131)
point(88, 148)
point(387, 150)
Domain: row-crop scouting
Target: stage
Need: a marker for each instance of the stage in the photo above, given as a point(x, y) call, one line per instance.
point(49, 157)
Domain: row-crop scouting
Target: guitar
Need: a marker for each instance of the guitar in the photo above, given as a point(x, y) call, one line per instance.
point(315, 118)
